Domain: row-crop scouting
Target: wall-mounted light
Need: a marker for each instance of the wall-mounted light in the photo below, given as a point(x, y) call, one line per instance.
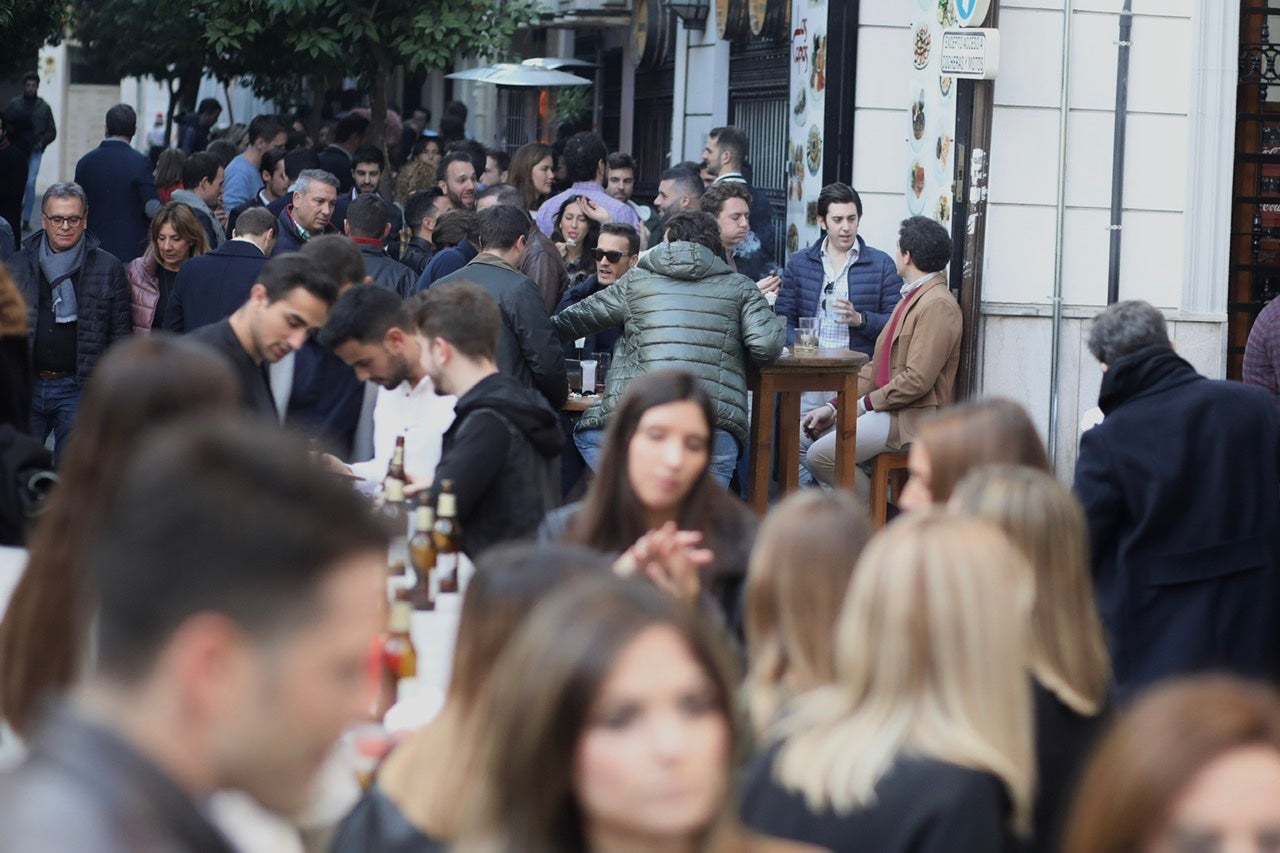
point(692, 12)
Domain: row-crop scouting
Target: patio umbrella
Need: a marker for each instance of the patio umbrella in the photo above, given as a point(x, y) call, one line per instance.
point(555, 62)
point(510, 74)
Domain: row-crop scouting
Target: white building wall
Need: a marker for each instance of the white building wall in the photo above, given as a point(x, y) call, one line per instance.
point(1177, 177)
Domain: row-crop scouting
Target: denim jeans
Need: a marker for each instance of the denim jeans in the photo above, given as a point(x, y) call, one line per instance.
point(54, 403)
point(724, 452)
point(29, 198)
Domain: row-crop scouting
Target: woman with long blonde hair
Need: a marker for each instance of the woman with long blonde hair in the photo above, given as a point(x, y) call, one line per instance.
point(796, 581)
point(924, 740)
point(1070, 667)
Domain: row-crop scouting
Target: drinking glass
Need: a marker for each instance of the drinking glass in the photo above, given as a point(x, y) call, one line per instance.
point(807, 336)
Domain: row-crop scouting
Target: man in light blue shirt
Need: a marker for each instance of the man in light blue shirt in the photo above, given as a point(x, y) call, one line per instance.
point(243, 177)
point(585, 156)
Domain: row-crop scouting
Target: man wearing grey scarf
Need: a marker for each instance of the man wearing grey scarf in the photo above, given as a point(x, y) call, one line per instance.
point(78, 304)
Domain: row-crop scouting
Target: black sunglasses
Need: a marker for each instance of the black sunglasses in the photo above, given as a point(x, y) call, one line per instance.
point(613, 257)
point(827, 291)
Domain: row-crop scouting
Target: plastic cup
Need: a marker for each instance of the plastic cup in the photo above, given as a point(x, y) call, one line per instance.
point(589, 375)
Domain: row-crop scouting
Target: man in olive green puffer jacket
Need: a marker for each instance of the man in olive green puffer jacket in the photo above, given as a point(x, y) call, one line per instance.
point(681, 306)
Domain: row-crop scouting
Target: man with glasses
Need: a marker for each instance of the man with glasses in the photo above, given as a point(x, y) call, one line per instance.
point(81, 302)
point(617, 250)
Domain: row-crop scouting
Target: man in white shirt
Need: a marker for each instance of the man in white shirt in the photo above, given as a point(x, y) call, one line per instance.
point(371, 329)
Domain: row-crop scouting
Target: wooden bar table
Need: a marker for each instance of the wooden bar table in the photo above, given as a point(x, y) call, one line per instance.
point(833, 370)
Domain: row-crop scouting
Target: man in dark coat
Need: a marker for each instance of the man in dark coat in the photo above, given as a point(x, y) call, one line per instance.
point(120, 186)
point(314, 196)
point(211, 287)
point(528, 350)
point(368, 164)
point(1179, 486)
point(78, 304)
point(420, 214)
point(501, 451)
point(31, 122)
point(367, 226)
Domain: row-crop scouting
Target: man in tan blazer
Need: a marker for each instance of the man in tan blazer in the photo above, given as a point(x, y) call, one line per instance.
point(913, 370)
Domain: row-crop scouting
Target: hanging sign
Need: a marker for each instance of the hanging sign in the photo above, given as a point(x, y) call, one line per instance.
point(971, 54)
point(971, 13)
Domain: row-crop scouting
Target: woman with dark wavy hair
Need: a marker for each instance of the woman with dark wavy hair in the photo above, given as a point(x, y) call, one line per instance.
point(140, 384)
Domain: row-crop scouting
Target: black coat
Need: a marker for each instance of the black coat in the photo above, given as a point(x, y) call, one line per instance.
point(1179, 486)
point(528, 350)
point(337, 162)
point(921, 806)
point(501, 452)
point(102, 294)
point(211, 287)
point(1064, 739)
point(600, 341)
point(119, 185)
point(377, 824)
point(416, 255)
point(387, 271)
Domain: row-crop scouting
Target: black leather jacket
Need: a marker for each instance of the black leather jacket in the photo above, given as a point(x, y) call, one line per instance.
point(82, 788)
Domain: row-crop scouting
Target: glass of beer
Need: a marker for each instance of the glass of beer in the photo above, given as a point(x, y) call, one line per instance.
point(807, 336)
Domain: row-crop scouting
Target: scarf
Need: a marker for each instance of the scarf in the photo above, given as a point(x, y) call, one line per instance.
point(1139, 371)
point(58, 268)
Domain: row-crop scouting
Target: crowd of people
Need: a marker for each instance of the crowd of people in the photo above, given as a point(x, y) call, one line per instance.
point(233, 349)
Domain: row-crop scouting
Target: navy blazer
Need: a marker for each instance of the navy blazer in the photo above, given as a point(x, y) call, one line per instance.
point(1179, 487)
point(874, 289)
point(119, 185)
point(211, 287)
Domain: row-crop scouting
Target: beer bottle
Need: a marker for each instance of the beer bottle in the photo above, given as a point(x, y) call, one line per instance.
point(422, 554)
point(447, 537)
point(396, 514)
point(399, 657)
point(395, 468)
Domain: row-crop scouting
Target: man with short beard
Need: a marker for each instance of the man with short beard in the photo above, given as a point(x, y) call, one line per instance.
point(372, 331)
point(458, 180)
point(620, 182)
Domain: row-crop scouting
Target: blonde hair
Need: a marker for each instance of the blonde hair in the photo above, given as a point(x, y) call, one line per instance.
point(798, 575)
point(929, 660)
point(1044, 520)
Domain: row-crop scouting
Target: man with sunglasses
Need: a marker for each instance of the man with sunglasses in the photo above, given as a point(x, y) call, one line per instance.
point(617, 250)
point(81, 301)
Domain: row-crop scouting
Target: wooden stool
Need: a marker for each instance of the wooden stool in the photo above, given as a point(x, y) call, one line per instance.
point(829, 370)
point(890, 464)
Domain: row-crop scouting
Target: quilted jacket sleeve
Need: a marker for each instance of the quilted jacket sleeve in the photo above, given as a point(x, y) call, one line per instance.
point(602, 310)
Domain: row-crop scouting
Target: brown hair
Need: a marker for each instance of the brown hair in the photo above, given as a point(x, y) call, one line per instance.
point(183, 220)
point(612, 518)
point(1045, 521)
point(424, 775)
point(541, 696)
point(1156, 748)
point(799, 574)
point(980, 432)
point(520, 173)
point(140, 384)
point(712, 201)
